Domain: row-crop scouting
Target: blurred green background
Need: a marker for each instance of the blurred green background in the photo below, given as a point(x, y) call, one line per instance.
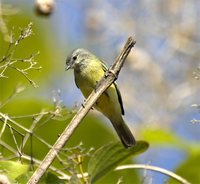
point(159, 82)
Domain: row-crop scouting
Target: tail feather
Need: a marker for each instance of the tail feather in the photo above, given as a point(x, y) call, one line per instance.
point(124, 133)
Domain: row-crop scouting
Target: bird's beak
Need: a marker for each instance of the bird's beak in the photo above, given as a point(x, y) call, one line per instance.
point(67, 67)
point(68, 64)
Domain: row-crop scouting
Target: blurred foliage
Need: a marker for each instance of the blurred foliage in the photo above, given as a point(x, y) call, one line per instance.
point(28, 48)
point(22, 66)
point(167, 137)
point(48, 178)
point(9, 168)
point(161, 138)
point(190, 168)
point(159, 82)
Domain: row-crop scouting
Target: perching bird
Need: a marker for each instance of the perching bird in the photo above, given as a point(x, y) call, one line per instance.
point(88, 70)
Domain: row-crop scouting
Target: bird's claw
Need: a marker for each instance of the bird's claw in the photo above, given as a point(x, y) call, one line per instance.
point(83, 105)
point(110, 72)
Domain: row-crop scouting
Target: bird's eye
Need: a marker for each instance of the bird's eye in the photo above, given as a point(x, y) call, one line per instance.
point(74, 58)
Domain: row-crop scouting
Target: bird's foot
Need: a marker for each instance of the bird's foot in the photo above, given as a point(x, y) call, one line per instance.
point(83, 105)
point(111, 72)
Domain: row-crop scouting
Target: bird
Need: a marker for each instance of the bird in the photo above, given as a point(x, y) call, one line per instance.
point(88, 70)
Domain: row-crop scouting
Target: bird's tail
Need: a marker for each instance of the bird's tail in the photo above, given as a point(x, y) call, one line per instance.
point(124, 132)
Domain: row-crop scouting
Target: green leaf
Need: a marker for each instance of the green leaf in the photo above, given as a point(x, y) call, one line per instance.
point(23, 179)
point(74, 180)
point(190, 168)
point(13, 169)
point(163, 137)
point(109, 156)
point(160, 136)
point(48, 178)
point(51, 178)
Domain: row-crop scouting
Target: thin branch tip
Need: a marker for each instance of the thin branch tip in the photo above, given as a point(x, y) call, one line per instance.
point(131, 41)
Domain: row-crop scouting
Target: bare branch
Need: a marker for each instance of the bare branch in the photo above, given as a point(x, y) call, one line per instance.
point(102, 85)
point(9, 61)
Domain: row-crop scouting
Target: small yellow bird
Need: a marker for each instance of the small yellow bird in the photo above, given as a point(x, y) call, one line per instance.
point(88, 70)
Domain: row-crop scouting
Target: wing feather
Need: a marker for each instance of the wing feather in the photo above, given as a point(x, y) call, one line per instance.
point(117, 89)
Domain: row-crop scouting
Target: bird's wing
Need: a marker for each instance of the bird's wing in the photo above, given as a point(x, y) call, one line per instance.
point(105, 68)
point(119, 98)
point(117, 89)
point(76, 81)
